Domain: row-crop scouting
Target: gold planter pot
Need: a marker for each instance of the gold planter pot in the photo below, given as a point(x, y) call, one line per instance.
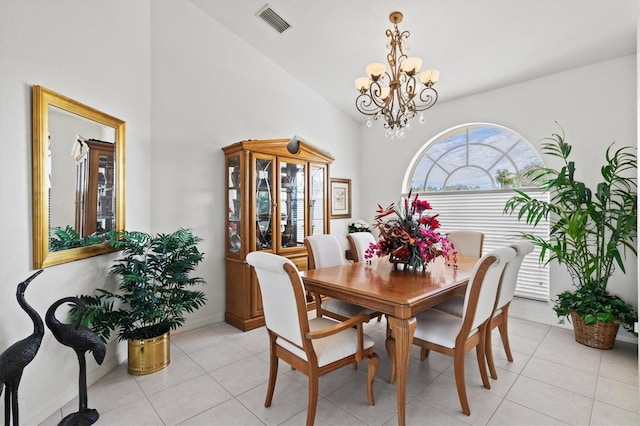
point(148, 355)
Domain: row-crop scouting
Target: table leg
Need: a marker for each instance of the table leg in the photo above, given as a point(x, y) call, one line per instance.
point(402, 331)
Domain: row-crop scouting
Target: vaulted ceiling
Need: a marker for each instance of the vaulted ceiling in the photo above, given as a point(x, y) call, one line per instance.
point(477, 45)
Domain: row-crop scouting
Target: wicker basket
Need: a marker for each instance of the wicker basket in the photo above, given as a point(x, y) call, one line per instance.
point(601, 335)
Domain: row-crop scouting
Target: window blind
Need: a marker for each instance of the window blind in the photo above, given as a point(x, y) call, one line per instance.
point(483, 211)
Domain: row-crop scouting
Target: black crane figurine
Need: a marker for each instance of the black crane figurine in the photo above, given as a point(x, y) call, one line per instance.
point(81, 340)
point(17, 356)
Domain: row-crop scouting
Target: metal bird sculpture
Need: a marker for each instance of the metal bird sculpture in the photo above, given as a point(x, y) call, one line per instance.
point(80, 339)
point(17, 356)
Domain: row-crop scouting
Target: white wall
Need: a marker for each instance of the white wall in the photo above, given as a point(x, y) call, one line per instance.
point(97, 53)
point(592, 118)
point(219, 93)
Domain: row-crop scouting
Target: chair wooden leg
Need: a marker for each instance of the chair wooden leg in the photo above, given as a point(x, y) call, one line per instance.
point(313, 396)
point(390, 344)
point(480, 355)
point(488, 351)
point(273, 374)
point(424, 353)
point(504, 332)
point(458, 369)
point(373, 362)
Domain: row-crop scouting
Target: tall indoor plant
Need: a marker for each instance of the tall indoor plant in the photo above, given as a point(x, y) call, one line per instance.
point(590, 234)
point(154, 291)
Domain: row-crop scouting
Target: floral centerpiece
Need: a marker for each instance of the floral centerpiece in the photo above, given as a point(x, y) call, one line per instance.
point(408, 234)
point(359, 225)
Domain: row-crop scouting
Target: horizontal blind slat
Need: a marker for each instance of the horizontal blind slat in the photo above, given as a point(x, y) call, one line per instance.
point(483, 211)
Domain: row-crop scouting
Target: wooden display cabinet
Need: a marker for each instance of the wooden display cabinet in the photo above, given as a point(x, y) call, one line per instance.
point(95, 188)
point(277, 194)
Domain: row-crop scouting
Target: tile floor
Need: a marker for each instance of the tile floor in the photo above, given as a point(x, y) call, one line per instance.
point(218, 376)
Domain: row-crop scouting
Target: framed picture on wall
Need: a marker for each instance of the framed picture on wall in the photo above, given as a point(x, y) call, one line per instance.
point(340, 198)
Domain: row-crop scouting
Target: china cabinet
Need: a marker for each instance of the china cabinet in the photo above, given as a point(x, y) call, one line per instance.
point(277, 194)
point(95, 188)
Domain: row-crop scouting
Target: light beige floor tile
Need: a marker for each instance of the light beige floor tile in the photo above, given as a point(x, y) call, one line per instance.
point(560, 346)
point(500, 360)
point(327, 414)
point(255, 341)
point(289, 399)
point(473, 379)
point(512, 414)
point(442, 393)
point(189, 398)
point(52, 420)
point(243, 375)
point(114, 390)
point(606, 415)
point(227, 330)
point(519, 343)
point(225, 353)
point(228, 413)
point(528, 329)
point(420, 413)
point(617, 393)
point(564, 377)
point(550, 400)
point(352, 397)
point(621, 363)
point(181, 369)
point(137, 413)
point(195, 340)
point(330, 381)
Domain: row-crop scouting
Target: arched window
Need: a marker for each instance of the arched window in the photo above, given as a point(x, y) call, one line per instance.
point(467, 173)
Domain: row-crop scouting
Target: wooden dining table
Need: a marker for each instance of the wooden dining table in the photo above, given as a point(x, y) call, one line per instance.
point(397, 293)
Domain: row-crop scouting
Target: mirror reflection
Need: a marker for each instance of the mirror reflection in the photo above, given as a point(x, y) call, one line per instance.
point(78, 178)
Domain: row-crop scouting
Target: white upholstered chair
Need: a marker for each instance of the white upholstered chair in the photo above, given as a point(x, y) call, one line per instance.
point(455, 336)
point(358, 243)
point(325, 251)
point(501, 315)
point(500, 318)
point(312, 346)
point(467, 243)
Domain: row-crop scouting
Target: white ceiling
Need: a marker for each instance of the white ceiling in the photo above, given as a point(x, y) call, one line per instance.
point(477, 45)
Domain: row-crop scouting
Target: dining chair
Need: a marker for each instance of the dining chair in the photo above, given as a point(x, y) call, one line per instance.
point(467, 243)
point(500, 318)
point(455, 336)
point(325, 251)
point(314, 346)
point(359, 243)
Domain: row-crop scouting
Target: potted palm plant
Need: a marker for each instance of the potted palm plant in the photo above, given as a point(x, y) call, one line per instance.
point(153, 297)
point(590, 233)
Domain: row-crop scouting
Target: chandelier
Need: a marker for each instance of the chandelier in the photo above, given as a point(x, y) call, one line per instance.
point(393, 94)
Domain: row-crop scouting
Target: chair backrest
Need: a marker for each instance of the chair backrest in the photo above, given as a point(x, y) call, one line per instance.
point(359, 242)
point(510, 275)
point(467, 243)
point(482, 291)
point(324, 251)
point(285, 309)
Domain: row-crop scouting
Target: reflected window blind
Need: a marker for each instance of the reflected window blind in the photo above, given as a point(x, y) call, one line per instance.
point(483, 211)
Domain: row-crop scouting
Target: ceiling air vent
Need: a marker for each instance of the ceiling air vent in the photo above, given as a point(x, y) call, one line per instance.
point(273, 19)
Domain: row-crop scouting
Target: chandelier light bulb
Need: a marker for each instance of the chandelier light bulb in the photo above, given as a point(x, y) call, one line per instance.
point(363, 83)
point(421, 119)
point(384, 93)
point(411, 65)
point(375, 70)
point(369, 123)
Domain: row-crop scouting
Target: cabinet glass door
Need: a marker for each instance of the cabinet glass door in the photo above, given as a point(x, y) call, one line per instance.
point(292, 183)
point(105, 216)
point(317, 199)
point(234, 205)
point(264, 202)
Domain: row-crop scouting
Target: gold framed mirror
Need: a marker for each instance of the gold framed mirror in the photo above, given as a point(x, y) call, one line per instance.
point(78, 178)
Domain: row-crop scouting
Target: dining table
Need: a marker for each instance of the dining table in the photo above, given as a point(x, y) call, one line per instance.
point(396, 292)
